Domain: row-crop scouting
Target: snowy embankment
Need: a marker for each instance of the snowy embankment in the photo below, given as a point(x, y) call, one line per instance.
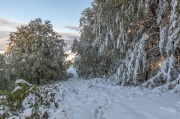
point(100, 99)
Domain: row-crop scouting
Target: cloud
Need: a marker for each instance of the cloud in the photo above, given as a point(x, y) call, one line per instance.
point(75, 28)
point(4, 36)
point(69, 35)
point(7, 26)
point(68, 38)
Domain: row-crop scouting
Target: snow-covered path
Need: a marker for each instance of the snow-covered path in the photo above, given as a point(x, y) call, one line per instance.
point(98, 99)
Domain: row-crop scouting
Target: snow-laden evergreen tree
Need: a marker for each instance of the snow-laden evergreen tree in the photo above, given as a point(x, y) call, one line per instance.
point(175, 43)
point(87, 63)
point(74, 46)
point(2, 62)
point(36, 52)
point(2, 77)
point(5, 74)
point(169, 46)
point(135, 42)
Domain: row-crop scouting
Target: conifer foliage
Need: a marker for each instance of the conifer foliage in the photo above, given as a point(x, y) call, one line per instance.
point(3, 80)
point(36, 52)
point(134, 42)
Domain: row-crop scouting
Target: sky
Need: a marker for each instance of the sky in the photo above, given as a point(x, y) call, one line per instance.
point(63, 14)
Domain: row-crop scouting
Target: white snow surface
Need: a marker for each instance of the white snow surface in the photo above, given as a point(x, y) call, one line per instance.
point(102, 99)
point(17, 88)
point(96, 99)
point(21, 81)
point(73, 71)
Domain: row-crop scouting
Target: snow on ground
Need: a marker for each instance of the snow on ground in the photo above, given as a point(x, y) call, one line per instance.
point(72, 71)
point(96, 99)
point(100, 99)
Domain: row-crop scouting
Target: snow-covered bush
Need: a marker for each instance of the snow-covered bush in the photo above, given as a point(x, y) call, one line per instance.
point(15, 98)
point(30, 101)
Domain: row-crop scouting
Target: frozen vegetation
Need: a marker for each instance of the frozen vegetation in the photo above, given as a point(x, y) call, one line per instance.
point(101, 99)
point(126, 66)
point(136, 41)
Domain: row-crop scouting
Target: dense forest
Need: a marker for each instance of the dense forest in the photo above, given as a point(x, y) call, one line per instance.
point(134, 42)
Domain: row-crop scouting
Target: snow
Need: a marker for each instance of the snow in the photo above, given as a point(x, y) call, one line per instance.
point(27, 113)
point(17, 88)
point(2, 52)
point(21, 81)
point(71, 70)
point(102, 99)
point(96, 99)
point(70, 55)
